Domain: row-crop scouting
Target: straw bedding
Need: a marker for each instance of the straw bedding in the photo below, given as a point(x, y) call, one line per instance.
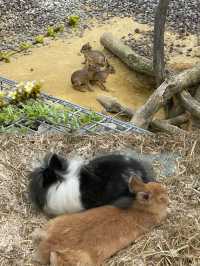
point(175, 242)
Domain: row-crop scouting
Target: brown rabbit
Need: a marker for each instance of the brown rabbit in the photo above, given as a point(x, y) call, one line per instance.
point(90, 237)
point(100, 76)
point(93, 57)
point(80, 79)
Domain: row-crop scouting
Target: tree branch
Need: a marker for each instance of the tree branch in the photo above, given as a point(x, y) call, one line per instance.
point(190, 104)
point(127, 55)
point(110, 103)
point(165, 91)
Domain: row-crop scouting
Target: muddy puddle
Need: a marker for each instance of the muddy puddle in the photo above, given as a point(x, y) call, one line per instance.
point(55, 62)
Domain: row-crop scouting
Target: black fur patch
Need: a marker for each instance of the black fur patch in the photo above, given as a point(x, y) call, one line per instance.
point(45, 176)
point(104, 180)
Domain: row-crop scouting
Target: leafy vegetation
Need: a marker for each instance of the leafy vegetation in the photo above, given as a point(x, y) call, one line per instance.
point(74, 20)
point(2, 100)
point(9, 114)
point(13, 130)
point(25, 90)
point(51, 32)
point(36, 110)
point(5, 56)
point(39, 39)
point(24, 46)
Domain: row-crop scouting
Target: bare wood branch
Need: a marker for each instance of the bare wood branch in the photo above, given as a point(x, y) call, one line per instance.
point(166, 127)
point(127, 55)
point(110, 103)
point(158, 49)
point(190, 103)
point(176, 108)
point(197, 94)
point(165, 91)
point(179, 120)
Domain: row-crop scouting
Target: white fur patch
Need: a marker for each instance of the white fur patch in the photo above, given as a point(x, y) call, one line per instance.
point(64, 197)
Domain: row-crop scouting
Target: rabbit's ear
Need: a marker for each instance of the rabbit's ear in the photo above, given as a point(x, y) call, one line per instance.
point(136, 184)
point(57, 162)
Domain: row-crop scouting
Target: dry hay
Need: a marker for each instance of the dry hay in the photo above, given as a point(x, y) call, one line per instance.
point(176, 242)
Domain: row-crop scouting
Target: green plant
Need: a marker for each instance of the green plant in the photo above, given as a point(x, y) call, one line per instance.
point(56, 114)
point(89, 118)
point(51, 32)
point(30, 89)
point(13, 130)
point(9, 114)
point(24, 46)
point(2, 99)
point(5, 56)
point(39, 39)
point(74, 20)
point(34, 110)
point(25, 90)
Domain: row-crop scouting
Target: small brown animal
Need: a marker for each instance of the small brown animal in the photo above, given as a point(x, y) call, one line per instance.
point(93, 57)
point(100, 76)
point(90, 237)
point(80, 79)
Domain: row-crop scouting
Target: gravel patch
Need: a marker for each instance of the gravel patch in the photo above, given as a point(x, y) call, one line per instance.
point(144, 45)
point(21, 19)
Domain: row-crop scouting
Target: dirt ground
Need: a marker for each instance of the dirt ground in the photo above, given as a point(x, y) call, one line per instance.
point(175, 242)
point(54, 62)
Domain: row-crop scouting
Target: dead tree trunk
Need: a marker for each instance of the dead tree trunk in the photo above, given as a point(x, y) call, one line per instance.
point(158, 48)
point(165, 91)
point(162, 125)
point(158, 44)
point(197, 94)
point(196, 121)
point(111, 105)
point(190, 104)
point(127, 55)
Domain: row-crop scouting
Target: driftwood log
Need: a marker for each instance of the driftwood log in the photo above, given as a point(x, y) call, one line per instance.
point(111, 105)
point(197, 94)
point(190, 103)
point(174, 86)
point(195, 120)
point(164, 92)
point(127, 55)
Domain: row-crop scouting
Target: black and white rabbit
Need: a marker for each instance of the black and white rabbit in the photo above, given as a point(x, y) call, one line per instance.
point(72, 185)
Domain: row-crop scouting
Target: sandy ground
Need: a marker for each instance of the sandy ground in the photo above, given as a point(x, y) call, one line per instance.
point(54, 63)
point(176, 242)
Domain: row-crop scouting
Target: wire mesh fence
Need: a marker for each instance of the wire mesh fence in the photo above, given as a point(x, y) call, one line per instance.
point(79, 119)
